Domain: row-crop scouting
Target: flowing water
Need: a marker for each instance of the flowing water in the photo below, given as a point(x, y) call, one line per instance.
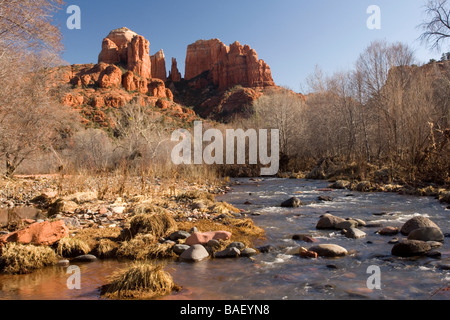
point(275, 275)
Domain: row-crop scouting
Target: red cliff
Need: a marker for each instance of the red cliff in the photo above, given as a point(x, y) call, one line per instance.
point(228, 66)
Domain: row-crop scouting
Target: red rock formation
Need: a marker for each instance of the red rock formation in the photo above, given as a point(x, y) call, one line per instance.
point(229, 66)
point(158, 61)
point(174, 74)
point(111, 77)
point(125, 47)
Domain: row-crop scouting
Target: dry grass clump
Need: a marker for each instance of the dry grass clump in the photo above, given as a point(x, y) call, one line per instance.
point(92, 236)
point(150, 207)
point(224, 207)
point(157, 224)
point(106, 248)
point(144, 247)
point(72, 247)
point(20, 259)
point(140, 281)
point(196, 195)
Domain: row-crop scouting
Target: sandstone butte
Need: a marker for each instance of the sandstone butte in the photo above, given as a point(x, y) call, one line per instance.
point(229, 65)
point(123, 75)
point(126, 73)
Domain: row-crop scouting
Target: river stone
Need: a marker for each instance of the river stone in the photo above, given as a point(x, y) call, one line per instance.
point(180, 248)
point(267, 248)
point(325, 198)
point(85, 258)
point(238, 245)
point(416, 223)
point(340, 184)
point(231, 252)
point(426, 234)
point(63, 263)
point(347, 224)
point(248, 252)
point(388, 231)
point(177, 235)
point(354, 233)
point(303, 237)
point(328, 221)
point(213, 243)
point(361, 223)
point(329, 250)
point(291, 203)
point(410, 248)
point(195, 253)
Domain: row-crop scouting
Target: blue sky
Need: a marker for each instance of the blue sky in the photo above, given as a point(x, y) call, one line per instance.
point(292, 36)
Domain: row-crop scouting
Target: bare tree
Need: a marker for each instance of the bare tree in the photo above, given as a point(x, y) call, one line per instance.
point(283, 111)
point(437, 29)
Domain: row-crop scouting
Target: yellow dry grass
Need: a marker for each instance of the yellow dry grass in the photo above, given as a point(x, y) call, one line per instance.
point(142, 281)
point(20, 259)
point(158, 224)
point(72, 247)
point(144, 247)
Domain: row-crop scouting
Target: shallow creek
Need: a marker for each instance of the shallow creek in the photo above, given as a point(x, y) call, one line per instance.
point(275, 275)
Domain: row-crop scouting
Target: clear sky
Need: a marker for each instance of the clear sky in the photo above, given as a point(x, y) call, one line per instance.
point(292, 36)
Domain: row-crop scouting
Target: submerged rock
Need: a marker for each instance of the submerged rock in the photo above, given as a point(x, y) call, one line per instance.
point(388, 231)
point(410, 248)
point(354, 233)
point(329, 250)
point(248, 252)
point(85, 258)
point(291, 203)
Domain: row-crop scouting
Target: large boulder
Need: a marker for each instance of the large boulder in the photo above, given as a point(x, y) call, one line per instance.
point(329, 250)
point(410, 248)
point(44, 233)
point(426, 234)
point(416, 223)
point(204, 237)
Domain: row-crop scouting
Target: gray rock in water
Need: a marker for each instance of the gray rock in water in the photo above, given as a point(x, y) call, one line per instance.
point(426, 234)
point(416, 223)
point(267, 248)
point(63, 263)
point(85, 258)
point(410, 248)
point(292, 203)
point(238, 245)
point(347, 224)
point(177, 235)
point(329, 250)
point(325, 198)
point(180, 248)
point(248, 252)
point(228, 253)
point(354, 233)
point(195, 253)
point(213, 243)
point(328, 221)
